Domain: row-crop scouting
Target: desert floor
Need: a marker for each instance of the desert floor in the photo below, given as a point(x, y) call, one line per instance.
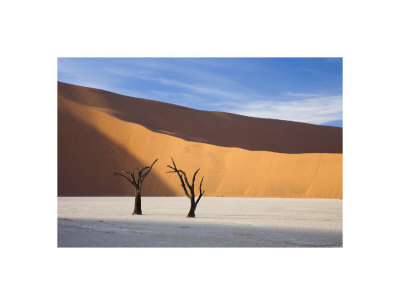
point(219, 222)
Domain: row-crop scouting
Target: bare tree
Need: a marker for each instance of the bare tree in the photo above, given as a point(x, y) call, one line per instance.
point(187, 186)
point(130, 176)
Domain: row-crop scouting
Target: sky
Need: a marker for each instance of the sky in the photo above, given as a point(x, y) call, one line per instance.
point(296, 89)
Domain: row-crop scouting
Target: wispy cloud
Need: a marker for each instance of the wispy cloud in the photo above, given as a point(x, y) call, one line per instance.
point(195, 87)
point(314, 110)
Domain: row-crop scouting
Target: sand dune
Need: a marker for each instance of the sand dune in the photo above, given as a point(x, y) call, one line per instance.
point(94, 141)
point(218, 128)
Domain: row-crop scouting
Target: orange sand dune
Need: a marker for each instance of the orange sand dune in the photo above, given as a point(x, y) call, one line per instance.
point(93, 143)
point(218, 128)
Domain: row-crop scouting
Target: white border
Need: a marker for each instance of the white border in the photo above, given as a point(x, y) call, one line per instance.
point(36, 33)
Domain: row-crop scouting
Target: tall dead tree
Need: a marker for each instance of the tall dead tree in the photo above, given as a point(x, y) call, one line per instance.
point(130, 176)
point(187, 187)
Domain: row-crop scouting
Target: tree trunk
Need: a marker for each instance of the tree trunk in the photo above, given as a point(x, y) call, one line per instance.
point(192, 208)
point(138, 204)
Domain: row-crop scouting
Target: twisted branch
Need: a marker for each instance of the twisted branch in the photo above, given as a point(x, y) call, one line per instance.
point(194, 177)
point(179, 172)
point(185, 182)
point(119, 174)
point(137, 184)
point(201, 191)
point(150, 168)
point(132, 175)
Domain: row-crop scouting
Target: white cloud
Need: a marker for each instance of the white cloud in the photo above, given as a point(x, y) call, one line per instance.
point(314, 110)
point(199, 88)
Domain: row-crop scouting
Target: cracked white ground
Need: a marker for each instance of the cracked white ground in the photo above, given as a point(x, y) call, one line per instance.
point(219, 222)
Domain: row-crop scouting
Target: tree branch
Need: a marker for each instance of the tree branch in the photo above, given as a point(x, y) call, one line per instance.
point(194, 177)
point(150, 168)
point(132, 175)
point(173, 162)
point(186, 180)
point(140, 171)
point(183, 184)
point(201, 183)
point(115, 174)
point(201, 191)
point(179, 172)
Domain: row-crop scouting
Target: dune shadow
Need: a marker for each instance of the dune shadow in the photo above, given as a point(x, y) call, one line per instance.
point(87, 160)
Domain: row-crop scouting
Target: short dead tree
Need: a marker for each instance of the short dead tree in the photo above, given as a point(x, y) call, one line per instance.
point(130, 176)
point(187, 186)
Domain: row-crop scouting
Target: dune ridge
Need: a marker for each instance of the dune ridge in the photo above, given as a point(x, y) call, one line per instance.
point(211, 127)
point(93, 142)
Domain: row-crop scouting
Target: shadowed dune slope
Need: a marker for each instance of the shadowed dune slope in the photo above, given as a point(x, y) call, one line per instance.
point(93, 142)
point(217, 128)
point(87, 159)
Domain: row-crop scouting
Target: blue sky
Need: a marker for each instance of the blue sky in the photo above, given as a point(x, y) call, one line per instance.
point(296, 89)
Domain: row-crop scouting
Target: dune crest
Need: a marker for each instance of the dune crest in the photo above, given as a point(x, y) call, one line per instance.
point(217, 128)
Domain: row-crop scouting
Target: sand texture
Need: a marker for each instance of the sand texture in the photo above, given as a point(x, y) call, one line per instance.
point(101, 132)
point(219, 222)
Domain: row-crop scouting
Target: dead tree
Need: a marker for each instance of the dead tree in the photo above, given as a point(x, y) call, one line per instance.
point(130, 176)
point(187, 186)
